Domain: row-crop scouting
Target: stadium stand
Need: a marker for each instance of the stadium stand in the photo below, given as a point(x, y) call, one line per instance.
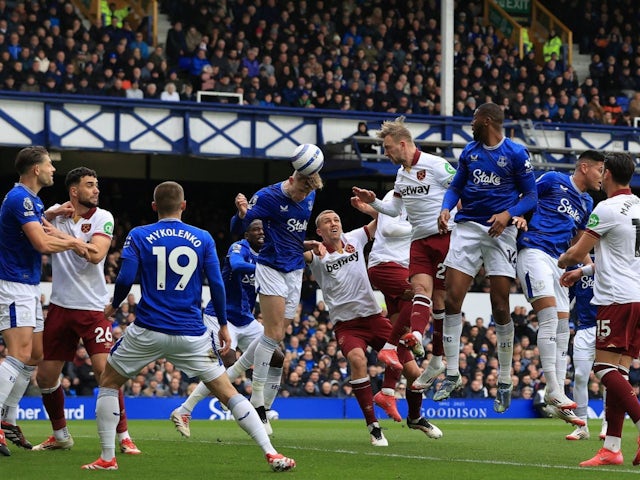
point(370, 55)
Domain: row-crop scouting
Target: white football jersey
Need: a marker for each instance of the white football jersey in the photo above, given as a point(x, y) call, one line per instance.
point(392, 240)
point(422, 188)
point(77, 283)
point(343, 279)
point(616, 221)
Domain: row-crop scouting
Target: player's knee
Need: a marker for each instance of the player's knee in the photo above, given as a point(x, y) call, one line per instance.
point(500, 312)
point(452, 305)
point(229, 358)
point(277, 358)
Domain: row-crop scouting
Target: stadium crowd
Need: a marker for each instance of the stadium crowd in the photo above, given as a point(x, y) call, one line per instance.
point(354, 55)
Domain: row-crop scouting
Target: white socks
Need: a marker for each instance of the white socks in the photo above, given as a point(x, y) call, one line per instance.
point(451, 332)
point(562, 346)
point(249, 420)
point(261, 363)
point(581, 385)
point(504, 337)
point(547, 331)
point(107, 416)
point(200, 392)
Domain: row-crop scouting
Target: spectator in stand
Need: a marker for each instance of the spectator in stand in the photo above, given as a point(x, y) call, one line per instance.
point(612, 106)
point(134, 92)
point(140, 44)
point(169, 94)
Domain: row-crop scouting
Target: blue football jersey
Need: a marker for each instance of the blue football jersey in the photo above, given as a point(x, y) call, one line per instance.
point(172, 259)
point(584, 312)
point(19, 261)
point(285, 227)
point(238, 272)
point(562, 210)
point(490, 180)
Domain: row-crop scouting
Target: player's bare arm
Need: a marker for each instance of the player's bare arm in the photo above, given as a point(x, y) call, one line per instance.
point(102, 244)
point(314, 247)
point(371, 227)
point(109, 311)
point(367, 196)
point(577, 252)
point(225, 339)
point(364, 207)
point(443, 221)
point(567, 279)
point(64, 210)
point(520, 223)
point(44, 243)
point(499, 222)
point(242, 205)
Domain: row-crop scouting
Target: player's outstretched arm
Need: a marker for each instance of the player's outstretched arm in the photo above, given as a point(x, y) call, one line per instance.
point(363, 207)
point(578, 251)
point(45, 243)
point(367, 196)
point(568, 279)
point(242, 205)
point(64, 210)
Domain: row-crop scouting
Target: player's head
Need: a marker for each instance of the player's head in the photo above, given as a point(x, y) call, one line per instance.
point(328, 225)
point(302, 185)
point(35, 160)
point(618, 170)
point(397, 141)
point(255, 235)
point(82, 185)
point(487, 119)
point(168, 199)
point(589, 168)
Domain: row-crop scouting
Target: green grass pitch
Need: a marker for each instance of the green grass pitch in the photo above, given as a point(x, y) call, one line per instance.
point(336, 450)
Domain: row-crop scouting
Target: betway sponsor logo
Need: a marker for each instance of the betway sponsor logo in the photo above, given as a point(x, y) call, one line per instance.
point(337, 265)
point(417, 190)
point(484, 178)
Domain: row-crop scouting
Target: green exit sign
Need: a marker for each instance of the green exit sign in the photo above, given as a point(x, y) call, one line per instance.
point(516, 7)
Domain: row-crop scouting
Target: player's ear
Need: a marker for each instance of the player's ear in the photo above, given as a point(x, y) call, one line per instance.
point(154, 207)
point(183, 205)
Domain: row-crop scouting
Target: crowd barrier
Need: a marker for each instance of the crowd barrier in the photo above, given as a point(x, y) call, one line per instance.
point(83, 408)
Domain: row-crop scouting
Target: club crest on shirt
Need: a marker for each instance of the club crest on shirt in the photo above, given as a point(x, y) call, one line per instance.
point(349, 248)
point(421, 174)
point(85, 228)
point(27, 203)
point(502, 161)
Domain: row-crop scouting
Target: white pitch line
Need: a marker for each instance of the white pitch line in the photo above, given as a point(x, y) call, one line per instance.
point(380, 452)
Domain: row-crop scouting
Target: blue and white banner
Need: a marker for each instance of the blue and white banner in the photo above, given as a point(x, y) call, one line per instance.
point(83, 408)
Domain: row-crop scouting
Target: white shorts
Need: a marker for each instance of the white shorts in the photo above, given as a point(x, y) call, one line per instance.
point(279, 284)
point(584, 344)
point(20, 306)
point(539, 277)
point(241, 337)
point(471, 246)
point(138, 347)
